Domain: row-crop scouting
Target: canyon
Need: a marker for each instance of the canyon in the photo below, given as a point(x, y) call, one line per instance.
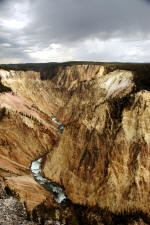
point(101, 157)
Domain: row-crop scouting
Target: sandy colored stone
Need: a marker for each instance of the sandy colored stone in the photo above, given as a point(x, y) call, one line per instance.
point(29, 191)
point(103, 155)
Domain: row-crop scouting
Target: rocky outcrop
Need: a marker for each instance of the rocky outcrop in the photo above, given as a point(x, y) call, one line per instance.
point(102, 157)
point(69, 77)
point(26, 133)
point(11, 211)
point(43, 95)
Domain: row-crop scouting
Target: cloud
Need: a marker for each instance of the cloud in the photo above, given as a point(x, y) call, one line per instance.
point(70, 21)
point(110, 50)
point(148, 1)
point(63, 30)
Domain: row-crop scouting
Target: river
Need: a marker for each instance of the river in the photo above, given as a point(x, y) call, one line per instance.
point(59, 194)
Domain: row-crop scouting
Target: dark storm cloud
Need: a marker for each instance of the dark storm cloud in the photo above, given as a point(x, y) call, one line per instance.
point(147, 1)
point(69, 23)
point(69, 20)
point(11, 50)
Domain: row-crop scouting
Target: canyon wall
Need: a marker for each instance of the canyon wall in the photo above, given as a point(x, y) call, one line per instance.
point(102, 157)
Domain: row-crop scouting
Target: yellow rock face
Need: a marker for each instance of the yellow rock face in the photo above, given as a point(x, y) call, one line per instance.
point(102, 157)
point(25, 188)
point(26, 133)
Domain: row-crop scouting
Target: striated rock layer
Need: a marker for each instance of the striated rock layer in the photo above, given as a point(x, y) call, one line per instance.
point(26, 133)
point(102, 157)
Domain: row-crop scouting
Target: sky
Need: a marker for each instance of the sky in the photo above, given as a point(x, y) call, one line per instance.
point(74, 30)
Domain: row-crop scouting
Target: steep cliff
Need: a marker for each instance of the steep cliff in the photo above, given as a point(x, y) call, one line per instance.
point(26, 133)
point(102, 157)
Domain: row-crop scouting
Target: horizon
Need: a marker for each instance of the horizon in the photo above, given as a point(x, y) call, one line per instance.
point(77, 62)
point(44, 31)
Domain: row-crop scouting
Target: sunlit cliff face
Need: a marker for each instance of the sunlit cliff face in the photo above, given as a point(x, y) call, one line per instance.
point(102, 157)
